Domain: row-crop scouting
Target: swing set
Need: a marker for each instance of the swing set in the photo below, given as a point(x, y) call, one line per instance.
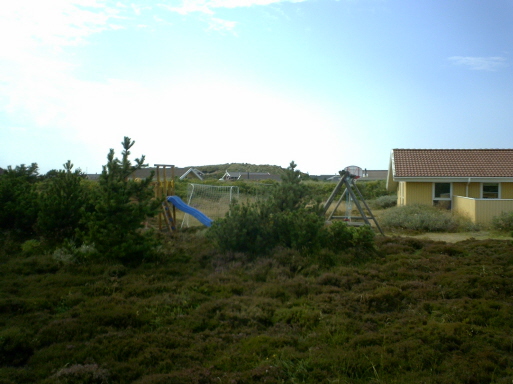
point(352, 196)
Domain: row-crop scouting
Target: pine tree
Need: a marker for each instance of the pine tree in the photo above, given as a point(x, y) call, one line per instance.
point(121, 206)
point(290, 193)
point(62, 200)
point(18, 199)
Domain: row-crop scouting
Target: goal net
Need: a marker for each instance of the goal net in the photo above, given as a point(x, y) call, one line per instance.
point(214, 201)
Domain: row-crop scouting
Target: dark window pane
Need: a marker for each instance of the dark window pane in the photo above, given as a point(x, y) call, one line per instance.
point(490, 190)
point(443, 190)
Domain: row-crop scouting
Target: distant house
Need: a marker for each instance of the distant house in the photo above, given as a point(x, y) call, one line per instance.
point(143, 173)
point(2, 171)
point(477, 183)
point(368, 175)
point(254, 176)
point(192, 172)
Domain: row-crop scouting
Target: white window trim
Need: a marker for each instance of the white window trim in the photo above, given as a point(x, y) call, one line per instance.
point(443, 198)
point(500, 190)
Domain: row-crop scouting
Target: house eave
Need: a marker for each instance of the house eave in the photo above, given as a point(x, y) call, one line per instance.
point(454, 179)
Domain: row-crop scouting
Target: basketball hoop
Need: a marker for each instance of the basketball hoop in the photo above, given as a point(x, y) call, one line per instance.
point(355, 171)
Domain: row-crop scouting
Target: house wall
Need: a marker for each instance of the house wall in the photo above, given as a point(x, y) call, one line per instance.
point(459, 189)
point(467, 189)
point(418, 193)
point(507, 190)
point(466, 199)
point(422, 193)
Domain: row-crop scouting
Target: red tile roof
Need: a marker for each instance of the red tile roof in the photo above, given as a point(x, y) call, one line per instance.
point(453, 162)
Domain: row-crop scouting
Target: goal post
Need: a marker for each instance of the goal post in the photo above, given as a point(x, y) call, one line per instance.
point(213, 200)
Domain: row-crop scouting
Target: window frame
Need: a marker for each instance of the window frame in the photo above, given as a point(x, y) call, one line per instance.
point(491, 198)
point(443, 202)
point(442, 198)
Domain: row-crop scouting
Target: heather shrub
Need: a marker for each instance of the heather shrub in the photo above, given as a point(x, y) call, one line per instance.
point(69, 253)
point(503, 222)
point(342, 237)
point(15, 346)
point(82, 374)
point(423, 218)
point(384, 202)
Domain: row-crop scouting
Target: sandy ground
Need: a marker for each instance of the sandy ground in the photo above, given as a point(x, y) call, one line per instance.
point(456, 237)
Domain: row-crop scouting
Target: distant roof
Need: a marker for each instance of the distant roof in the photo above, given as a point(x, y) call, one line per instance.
point(374, 174)
point(241, 175)
point(452, 162)
point(368, 175)
point(194, 171)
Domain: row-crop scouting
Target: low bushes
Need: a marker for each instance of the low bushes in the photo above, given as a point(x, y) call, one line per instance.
point(283, 221)
point(249, 229)
point(503, 222)
point(423, 218)
point(384, 202)
point(424, 311)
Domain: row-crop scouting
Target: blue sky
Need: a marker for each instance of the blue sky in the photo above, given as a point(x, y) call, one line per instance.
point(324, 83)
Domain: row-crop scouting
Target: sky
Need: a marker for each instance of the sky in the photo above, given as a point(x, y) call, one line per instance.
point(323, 83)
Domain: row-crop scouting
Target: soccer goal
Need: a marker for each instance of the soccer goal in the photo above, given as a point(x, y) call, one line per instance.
point(214, 201)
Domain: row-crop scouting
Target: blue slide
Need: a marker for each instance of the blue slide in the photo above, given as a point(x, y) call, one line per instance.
point(178, 203)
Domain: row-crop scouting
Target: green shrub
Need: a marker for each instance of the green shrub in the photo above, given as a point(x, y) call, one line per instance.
point(340, 236)
point(283, 221)
point(372, 189)
point(299, 229)
point(503, 222)
point(384, 202)
point(280, 220)
point(246, 229)
point(422, 218)
point(69, 253)
point(31, 247)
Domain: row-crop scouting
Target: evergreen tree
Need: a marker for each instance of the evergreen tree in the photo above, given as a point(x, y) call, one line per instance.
point(62, 200)
point(18, 199)
point(121, 205)
point(290, 193)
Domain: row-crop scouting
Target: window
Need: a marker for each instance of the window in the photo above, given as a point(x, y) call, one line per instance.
point(490, 191)
point(442, 191)
point(442, 195)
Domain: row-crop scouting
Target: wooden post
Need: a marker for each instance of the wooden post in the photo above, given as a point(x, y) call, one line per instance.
point(162, 192)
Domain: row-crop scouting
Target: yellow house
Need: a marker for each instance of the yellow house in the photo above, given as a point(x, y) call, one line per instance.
point(477, 183)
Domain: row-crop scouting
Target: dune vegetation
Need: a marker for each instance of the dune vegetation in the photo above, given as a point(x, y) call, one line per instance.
point(90, 294)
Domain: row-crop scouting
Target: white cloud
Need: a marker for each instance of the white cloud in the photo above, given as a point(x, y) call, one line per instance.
point(220, 25)
point(208, 6)
point(492, 63)
point(52, 22)
point(34, 65)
